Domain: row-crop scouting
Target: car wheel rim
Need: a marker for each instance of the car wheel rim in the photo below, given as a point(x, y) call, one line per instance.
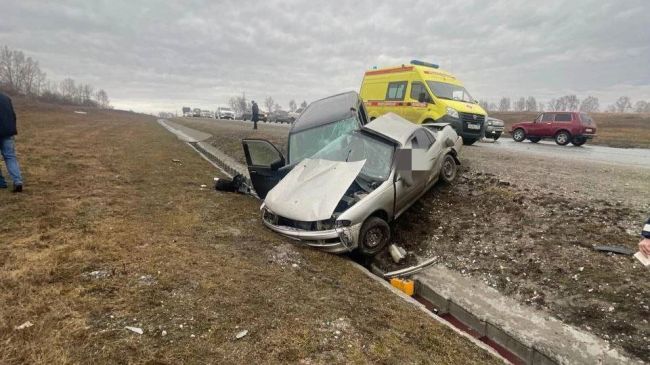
point(448, 169)
point(518, 134)
point(562, 138)
point(374, 237)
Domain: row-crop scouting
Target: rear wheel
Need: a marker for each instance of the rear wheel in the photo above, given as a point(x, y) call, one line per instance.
point(534, 139)
point(562, 138)
point(449, 169)
point(374, 236)
point(579, 141)
point(518, 135)
point(469, 141)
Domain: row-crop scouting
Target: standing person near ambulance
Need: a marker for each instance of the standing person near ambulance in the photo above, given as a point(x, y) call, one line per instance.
point(7, 146)
point(255, 114)
point(644, 245)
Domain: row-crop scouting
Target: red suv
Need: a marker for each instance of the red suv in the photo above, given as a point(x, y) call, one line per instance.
point(564, 127)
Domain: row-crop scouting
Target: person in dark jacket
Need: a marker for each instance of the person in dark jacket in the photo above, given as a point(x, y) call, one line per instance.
point(256, 114)
point(7, 146)
point(644, 245)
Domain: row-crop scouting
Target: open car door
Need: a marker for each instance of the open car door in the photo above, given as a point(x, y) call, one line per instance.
point(265, 165)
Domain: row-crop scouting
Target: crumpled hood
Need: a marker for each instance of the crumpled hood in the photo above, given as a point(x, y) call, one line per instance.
point(312, 189)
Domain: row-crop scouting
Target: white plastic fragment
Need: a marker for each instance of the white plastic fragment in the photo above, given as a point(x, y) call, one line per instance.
point(137, 330)
point(241, 334)
point(24, 325)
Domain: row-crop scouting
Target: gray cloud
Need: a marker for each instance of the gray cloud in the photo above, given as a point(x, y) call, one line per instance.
point(152, 55)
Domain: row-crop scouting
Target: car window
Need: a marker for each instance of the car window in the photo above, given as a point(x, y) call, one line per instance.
point(420, 140)
point(306, 143)
point(547, 117)
point(261, 153)
point(563, 117)
point(417, 88)
point(396, 90)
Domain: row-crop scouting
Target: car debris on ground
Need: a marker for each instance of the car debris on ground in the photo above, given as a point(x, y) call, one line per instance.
point(24, 325)
point(241, 334)
point(137, 330)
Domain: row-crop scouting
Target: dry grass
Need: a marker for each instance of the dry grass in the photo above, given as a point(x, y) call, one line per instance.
point(614, 129)
point(103, 194)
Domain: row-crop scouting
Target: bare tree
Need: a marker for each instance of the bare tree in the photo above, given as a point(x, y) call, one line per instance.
point(520, 104)
point(572, 102)
point(292, 105)
point(303, 105)
point(540, 107)
point(504, 104)
point(484, 104)
point(68, 89)
point(492, 107)
point(589, 104)
point(642, 106)
point(531, 104)
point(102, 99)
point(269, 103)
point(623, 104)
point(277, 107)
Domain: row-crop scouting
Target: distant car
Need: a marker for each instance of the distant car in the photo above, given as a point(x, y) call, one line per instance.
point(564, 127)
point(224, 113)
point(207, 114)
point(248, 115)
point(493, 128)
point(196, 112)
point(342, 183)
point(188, 114)
point(296, 113)
point(281, 116)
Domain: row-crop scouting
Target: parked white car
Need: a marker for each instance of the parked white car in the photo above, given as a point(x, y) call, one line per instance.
point(224, 113)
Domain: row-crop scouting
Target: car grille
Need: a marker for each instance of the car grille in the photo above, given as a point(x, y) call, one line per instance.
point(469, 118)
point(306, 226)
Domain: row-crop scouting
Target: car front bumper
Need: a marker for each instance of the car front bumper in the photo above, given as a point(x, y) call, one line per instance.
point(493, 129)
point(337, 240)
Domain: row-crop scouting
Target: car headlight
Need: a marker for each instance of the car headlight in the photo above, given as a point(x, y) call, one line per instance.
point(452, 112)
point(490, 122)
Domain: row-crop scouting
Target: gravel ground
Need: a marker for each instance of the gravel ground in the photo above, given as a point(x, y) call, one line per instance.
point(526, 224)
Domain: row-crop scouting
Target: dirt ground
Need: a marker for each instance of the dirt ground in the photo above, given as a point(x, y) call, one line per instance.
point(526, 225)
point(112, 232)
point(614, 129)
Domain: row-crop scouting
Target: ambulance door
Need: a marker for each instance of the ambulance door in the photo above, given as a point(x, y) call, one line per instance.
point(417, 102)
point(395, 95)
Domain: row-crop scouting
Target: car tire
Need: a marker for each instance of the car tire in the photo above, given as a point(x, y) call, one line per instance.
point(496, 136)
point(469, 141)
point(534, 139)
point(562, 138)
point(578, 141)
point(449, 169)
point(519, 135)
point(374, 236)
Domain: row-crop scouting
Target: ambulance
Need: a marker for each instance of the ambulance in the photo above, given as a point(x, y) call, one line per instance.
point(423, 93)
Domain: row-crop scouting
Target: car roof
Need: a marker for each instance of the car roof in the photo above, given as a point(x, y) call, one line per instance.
point(393, 127)
point(327, 110)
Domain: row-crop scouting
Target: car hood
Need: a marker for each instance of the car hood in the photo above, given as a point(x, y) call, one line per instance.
point(312, 189)
point(465, 107)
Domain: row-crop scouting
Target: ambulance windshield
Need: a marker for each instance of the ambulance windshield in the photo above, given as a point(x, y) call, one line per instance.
point(447, 91)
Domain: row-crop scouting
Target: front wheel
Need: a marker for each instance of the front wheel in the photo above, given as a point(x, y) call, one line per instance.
point(374, 236)
point(469, 141)
point(449, 169)
point(562, 138)
point(579, 141)
point(496, 136)
point(519, 135)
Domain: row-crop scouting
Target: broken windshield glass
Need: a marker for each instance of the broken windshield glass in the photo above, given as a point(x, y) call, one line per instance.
point(306, 143)
point(357, 146)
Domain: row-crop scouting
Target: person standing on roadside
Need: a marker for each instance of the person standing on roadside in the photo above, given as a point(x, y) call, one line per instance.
point(644, 245)
point(7, 146)
point(256, 114)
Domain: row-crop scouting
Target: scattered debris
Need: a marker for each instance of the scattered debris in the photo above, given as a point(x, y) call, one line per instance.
point(615, 249)
point(176, 160)
point(97, 274)
point(295, 266)
point(137, 330)
point(645, 260)
point(397, 253)
point(237, 184)
point(146, 280)
point(203, 186)
point(80, 112)
point(241, 334)
point(163, 333)
point(24, 325)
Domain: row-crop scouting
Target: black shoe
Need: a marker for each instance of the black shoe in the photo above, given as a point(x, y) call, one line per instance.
point(17, 189)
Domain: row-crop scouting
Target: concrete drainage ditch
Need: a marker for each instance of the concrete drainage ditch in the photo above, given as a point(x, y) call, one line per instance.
point(514, 333)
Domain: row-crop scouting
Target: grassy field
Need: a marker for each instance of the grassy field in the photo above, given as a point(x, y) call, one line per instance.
point(111, 232)
point(614, 129)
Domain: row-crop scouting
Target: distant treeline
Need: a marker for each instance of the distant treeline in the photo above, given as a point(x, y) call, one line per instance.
point(565, 103)
point(21, 75)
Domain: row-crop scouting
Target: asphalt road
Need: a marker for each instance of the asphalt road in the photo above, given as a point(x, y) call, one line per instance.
point(631, 157)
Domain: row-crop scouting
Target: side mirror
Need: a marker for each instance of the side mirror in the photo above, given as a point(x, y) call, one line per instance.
point(422, 98)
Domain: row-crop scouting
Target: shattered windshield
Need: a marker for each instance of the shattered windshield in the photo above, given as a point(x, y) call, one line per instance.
point(306, 143)
point(447, 91)
point(357, 146)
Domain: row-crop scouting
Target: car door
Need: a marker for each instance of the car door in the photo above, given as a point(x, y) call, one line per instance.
point(265, 165)
point(395, 94)
point(562, 121)
point(540, 127)
point(414, 168)
point(416, 105)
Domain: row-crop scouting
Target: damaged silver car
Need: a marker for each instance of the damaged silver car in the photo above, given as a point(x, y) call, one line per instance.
point(342, 196)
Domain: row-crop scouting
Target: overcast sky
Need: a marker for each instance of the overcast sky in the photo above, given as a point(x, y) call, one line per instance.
point(161, 55)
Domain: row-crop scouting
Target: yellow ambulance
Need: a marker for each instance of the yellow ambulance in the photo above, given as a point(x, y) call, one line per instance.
point(423, 93)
